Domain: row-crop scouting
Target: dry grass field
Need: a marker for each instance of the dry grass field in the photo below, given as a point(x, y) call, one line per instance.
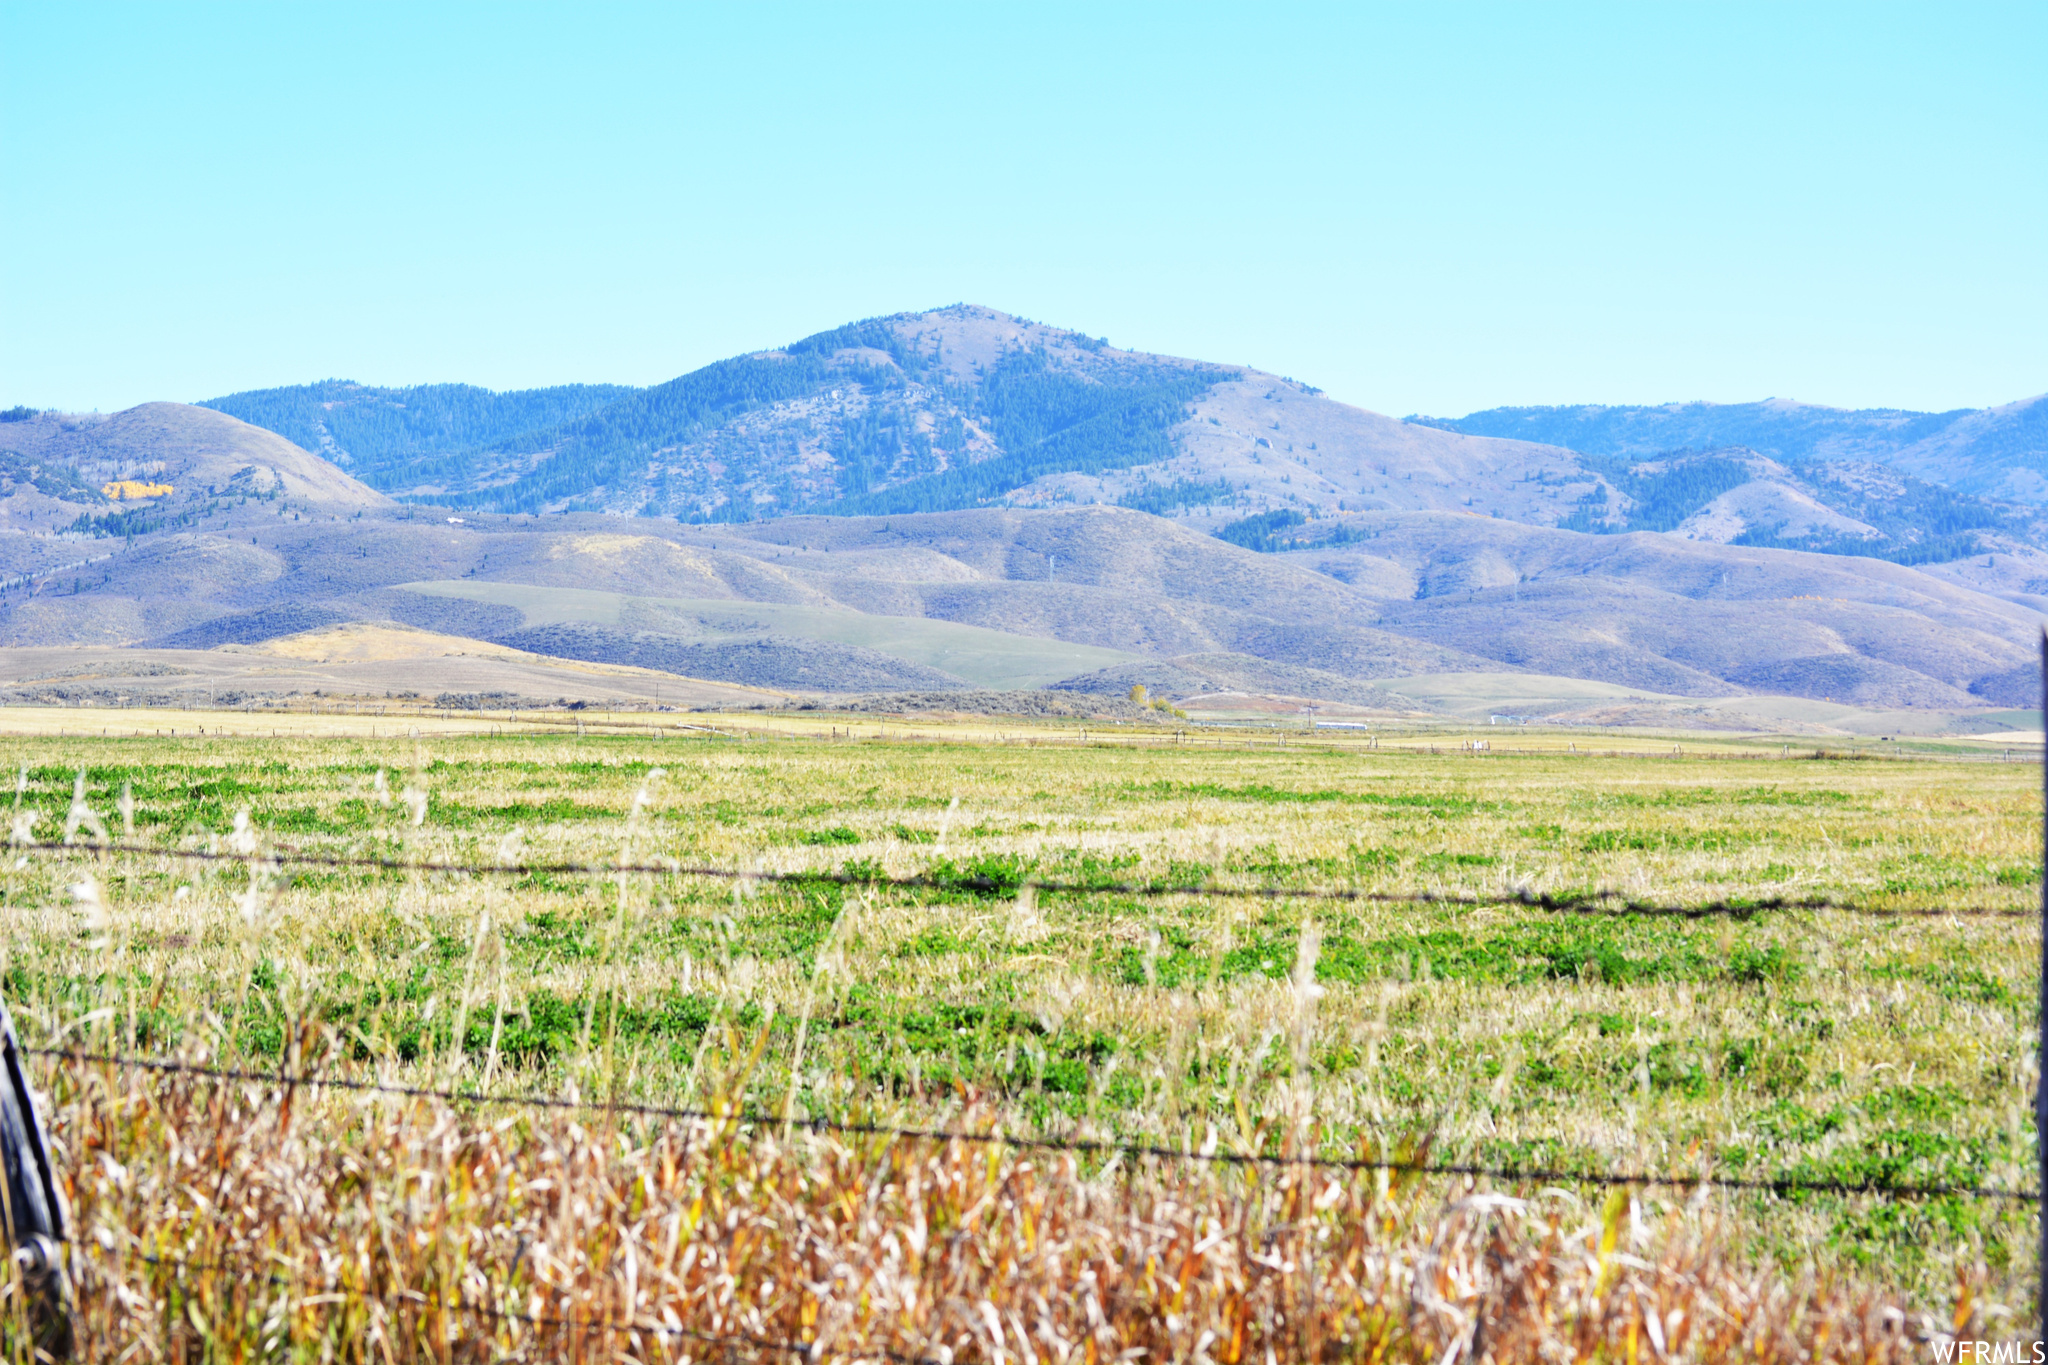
point(1877, 1045)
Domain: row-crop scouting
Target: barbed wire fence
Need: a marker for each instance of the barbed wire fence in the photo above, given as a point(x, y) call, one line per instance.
point(1600, 903)
point(1020, 1142)
point(581, 1327)
point(1596, 903)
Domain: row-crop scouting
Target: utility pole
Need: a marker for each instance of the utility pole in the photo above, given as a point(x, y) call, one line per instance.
point(2041, 1053)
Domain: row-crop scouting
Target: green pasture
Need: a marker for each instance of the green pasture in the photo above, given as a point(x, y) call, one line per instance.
point(986, 658)
point(1888, 1043)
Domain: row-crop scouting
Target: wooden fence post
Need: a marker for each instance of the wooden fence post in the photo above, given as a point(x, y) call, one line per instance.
point(35, 1206)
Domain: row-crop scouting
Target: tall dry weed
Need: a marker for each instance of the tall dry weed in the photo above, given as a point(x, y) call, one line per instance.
point(234, 1222)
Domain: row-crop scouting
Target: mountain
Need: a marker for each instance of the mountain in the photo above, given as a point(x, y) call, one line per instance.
point(944, 410)
point(915, 412)
point(1994, 452)
point(962, 499)
point(377, 434)
point(1739, 497)
point(968, 407)
point(1999, 452)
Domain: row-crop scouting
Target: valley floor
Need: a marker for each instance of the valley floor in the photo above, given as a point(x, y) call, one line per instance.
point(1261, 945)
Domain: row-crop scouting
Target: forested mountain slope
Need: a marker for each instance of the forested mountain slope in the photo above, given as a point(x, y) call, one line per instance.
point(956, 408)
point(1999, 452)
point(1738, 497)
point(376, 433)
point(914, 412)
point(968, 407)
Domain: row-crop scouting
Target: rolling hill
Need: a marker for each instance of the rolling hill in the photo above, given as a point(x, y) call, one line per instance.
point(1736, 496)
point(1689, 617)
point(1085, 599)
point(202, 456)
point(1997, 452)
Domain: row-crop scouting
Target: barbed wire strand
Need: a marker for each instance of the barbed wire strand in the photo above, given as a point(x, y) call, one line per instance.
point(1611, 903)
point(1085, 1146)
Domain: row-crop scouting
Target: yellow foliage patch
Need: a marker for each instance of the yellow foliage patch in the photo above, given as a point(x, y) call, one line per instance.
point(132, 489)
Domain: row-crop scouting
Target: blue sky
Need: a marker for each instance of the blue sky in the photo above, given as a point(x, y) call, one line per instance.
point(1420, 208)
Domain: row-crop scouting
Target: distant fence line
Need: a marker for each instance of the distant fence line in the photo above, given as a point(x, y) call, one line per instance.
point(617, 719)
point(1595, 903)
